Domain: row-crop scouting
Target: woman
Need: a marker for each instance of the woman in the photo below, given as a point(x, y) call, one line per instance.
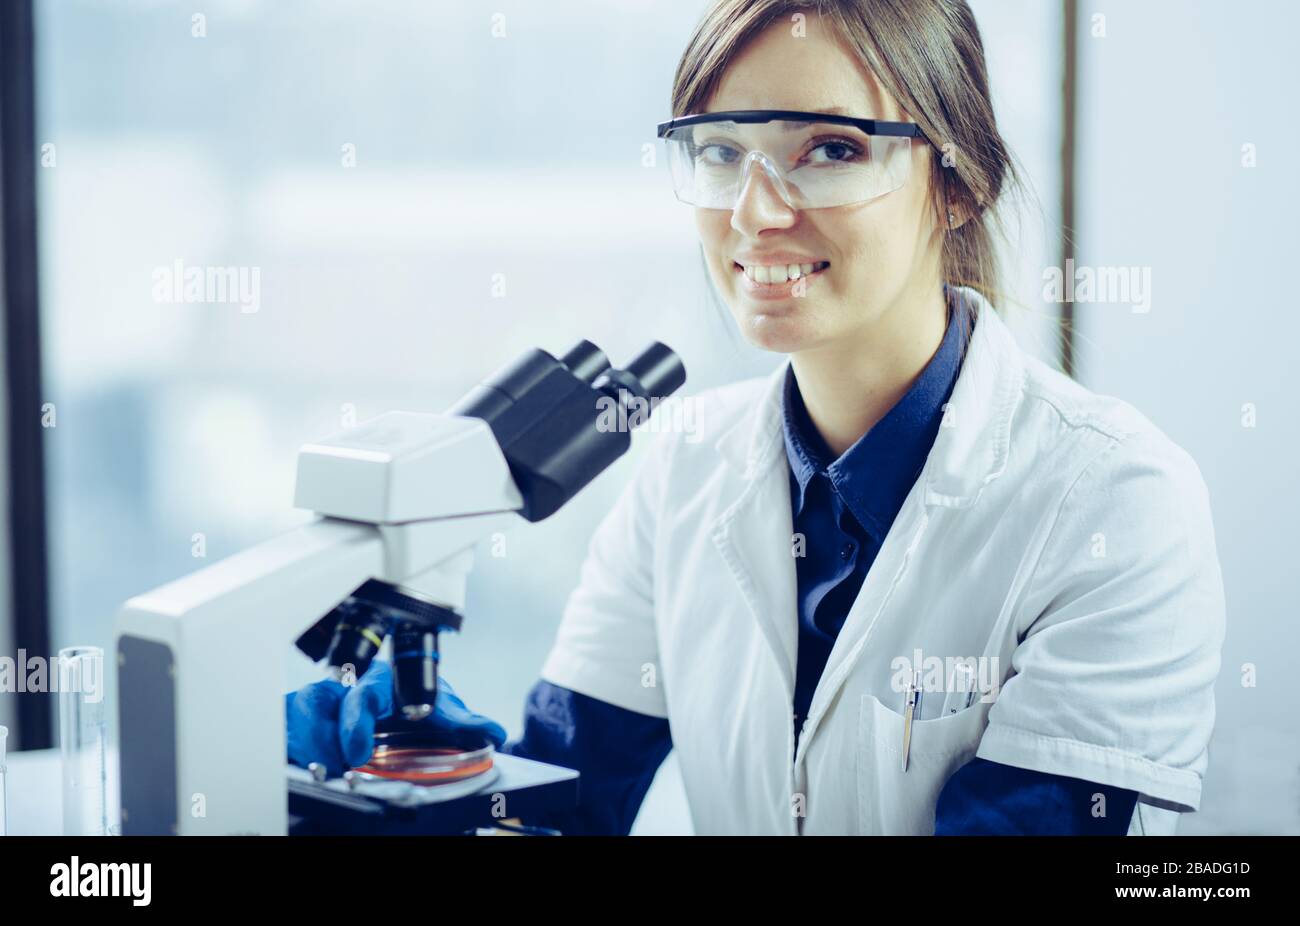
point(915, 581)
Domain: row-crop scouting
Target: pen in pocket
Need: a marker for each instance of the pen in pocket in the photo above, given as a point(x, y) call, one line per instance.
point(911, 708)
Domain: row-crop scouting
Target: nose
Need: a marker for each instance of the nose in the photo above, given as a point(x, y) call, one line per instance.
point(763, 200)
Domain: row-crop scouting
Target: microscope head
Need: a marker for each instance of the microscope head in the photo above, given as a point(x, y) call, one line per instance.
point(555, 423)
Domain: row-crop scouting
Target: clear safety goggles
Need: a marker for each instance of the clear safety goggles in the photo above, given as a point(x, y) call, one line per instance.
point(813, 160)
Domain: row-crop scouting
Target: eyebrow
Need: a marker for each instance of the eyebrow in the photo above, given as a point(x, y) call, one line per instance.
point(825, 111)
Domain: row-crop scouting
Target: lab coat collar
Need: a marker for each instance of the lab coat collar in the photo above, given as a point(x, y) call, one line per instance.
point(874, 476)
point(974, 441)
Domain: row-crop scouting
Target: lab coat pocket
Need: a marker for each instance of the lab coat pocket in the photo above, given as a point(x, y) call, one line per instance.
point(896, 802)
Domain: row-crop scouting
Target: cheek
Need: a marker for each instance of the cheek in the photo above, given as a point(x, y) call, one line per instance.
point(864, 248)
point(878, 244)
point(713, 226)
point(882, 240)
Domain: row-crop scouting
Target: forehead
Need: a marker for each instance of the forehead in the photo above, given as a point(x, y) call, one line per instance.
point(811, 69)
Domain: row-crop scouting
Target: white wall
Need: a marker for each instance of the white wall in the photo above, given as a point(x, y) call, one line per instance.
point(1171, 93)
point(1022, 43)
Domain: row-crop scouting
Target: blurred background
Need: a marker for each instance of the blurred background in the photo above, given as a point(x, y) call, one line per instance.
point(426, 190)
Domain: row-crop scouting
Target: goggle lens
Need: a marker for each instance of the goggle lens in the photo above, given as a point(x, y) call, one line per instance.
point(812, 165)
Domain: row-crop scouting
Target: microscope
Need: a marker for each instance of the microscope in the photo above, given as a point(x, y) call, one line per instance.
point(402, 501)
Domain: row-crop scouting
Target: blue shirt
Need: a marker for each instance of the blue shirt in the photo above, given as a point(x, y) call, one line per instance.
point(844, 509)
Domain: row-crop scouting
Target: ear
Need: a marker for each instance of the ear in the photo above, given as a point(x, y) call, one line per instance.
point(950, 212)
point(956, 217)
point(948, 217)
point(957, 213)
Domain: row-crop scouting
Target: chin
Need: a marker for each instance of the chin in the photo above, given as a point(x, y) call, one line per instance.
point(780, 332)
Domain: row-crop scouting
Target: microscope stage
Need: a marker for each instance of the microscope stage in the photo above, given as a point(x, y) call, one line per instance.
point(514, 788)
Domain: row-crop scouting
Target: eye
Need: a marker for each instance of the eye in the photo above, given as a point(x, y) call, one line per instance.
point(716, 155)
point(836, 150)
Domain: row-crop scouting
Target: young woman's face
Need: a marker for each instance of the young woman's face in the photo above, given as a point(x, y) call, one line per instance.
point(881, 252)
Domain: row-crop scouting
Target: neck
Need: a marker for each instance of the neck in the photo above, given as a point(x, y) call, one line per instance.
point(851, 383)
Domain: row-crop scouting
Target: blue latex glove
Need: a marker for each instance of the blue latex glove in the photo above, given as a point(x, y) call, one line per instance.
point(334, 724)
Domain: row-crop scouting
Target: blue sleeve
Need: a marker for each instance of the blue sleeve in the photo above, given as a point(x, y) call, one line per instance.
point(616, 751)
point(988, 798)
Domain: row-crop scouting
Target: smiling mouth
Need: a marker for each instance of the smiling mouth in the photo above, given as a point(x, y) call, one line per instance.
point(779, 274)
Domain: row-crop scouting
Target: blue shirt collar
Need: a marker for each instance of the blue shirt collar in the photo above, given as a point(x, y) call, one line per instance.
point(874, 476)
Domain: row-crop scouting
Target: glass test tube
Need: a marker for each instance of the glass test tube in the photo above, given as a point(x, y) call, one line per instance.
point(83, 741)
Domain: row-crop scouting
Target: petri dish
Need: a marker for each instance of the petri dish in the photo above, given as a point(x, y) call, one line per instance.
point(418, 759)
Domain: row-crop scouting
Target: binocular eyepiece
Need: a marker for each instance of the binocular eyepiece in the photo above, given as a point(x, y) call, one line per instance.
point(551, 419)
point(656, 372)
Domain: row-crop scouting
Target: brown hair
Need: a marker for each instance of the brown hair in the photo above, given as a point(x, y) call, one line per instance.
point(929, 56)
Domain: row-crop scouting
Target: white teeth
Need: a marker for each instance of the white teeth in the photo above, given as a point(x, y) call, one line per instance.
point(781, 273)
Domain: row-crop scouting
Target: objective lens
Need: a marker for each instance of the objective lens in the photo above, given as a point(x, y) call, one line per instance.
point(357, 637)
point(415, 671)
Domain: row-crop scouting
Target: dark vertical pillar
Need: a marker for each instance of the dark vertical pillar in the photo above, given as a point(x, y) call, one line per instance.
point(22, 344)
point(1069, 116)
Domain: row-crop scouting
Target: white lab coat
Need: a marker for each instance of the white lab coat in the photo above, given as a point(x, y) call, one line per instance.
point(1055, 532)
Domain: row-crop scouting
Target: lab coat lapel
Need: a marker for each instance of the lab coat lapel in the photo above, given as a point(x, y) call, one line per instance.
point(754, 532)
point(970, 450)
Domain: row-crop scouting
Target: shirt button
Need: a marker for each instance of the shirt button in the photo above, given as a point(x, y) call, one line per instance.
point(847, 551)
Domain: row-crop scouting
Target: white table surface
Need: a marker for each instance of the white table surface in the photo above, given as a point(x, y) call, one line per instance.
point(35, 788)
point(35, 793)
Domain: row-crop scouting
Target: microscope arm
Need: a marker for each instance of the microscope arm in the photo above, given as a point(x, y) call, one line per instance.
point(200, 669)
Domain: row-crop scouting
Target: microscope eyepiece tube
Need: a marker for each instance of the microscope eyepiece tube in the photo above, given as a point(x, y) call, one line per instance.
point(655, 373)
point(586, 361)
point(659, 371)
